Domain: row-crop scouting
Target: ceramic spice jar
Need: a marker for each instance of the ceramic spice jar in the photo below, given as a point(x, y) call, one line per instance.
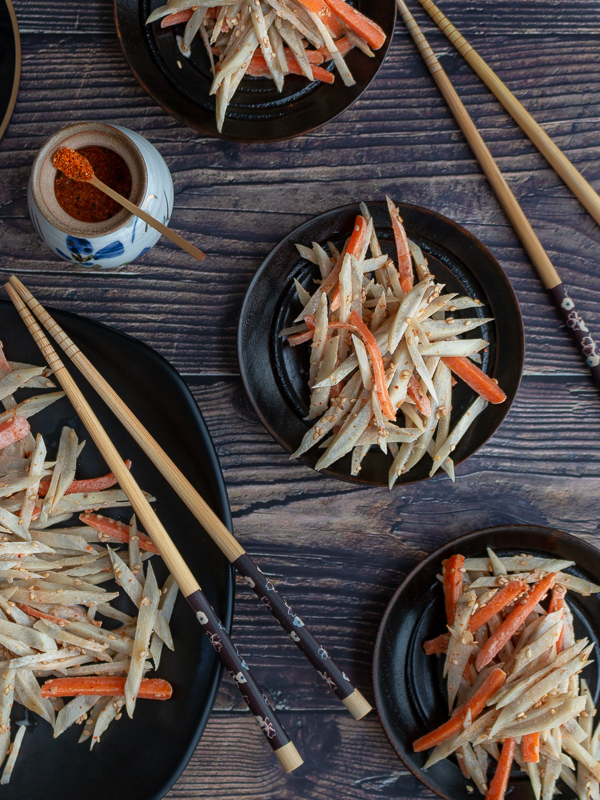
point(120, 238)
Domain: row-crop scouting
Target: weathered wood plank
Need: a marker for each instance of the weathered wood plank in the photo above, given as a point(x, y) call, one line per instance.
point(344, 759)
point(238, 201)
point(338, 552)
point(473, 19)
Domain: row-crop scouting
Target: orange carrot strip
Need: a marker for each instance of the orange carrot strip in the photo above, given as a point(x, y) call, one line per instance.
point(557, 601)
point(455, 724)
point(316, 6)
point(336, 29)
point(531, 747)
point(13, 430)
point(418, 395)
point(319, 74)
point(377, 362)
point(85, 485)
point(258, 68)
point(327, 16)
point(475, 378)
point(300, 338)
point(405, 267)
point(116, 530)
point(33, 612)
point(499, 601)
point(453, 581)
point(366, 28)
point(105, 686)
point(176, 18)
point(357, 239)
point(313, 56)
point(437, 645)
point(344, 45)
point(514, 621)
point(352, 246)
point(356, 324)
point(499, 782)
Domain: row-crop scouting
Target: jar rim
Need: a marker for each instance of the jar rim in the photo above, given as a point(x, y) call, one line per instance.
point(76, 136)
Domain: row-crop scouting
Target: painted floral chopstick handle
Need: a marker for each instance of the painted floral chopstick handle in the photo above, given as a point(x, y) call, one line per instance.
point(238, 669)
point(580, 331)
point(335, 678)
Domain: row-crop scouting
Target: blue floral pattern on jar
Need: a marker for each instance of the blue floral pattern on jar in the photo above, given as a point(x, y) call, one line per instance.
point(81, 251)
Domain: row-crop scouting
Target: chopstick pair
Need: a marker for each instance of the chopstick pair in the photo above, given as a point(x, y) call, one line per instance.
point(538, 256)
point(538, 136)
point(283, 748)
point(270, 597)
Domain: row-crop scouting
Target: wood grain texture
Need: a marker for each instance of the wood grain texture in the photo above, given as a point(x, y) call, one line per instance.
point(236, 201)
point(473, 18)
point(358, 750)
point(330, 546)
point(337, 552)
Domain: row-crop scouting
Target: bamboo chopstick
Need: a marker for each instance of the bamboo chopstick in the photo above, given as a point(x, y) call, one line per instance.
point(233, 550)
point(545, 269)
point(551, 152)
point(274, 732)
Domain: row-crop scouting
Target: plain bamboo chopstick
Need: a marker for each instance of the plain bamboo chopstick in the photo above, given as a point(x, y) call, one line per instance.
point(251, 692)
point(551, 152)
point(266, 591)
point(545, 269)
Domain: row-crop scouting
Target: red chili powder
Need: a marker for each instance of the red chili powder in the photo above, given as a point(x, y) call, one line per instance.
point(82, 200)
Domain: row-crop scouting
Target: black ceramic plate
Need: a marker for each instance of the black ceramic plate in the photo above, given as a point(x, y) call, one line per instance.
point(10, 62)
point(275, 375)
point(143, 757)
point(257, 112)
point(409, 688)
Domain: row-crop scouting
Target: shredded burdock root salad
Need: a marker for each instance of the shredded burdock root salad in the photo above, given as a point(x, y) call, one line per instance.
point(270, 38)
point(384, 350)
point(512, 664)
point(54, 640)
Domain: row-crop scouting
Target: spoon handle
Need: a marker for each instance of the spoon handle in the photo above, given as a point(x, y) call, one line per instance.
point(149, 220)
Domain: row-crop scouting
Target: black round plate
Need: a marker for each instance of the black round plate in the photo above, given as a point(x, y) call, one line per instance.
point(257, 112)
point(139, 758)
point(409, 689)
point(10, 62)
point(275, 375)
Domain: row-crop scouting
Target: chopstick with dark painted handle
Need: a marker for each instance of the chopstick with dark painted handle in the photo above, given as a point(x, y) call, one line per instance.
point(251, 692)
point(292, 624)
point(539, 258)
point(551, 152)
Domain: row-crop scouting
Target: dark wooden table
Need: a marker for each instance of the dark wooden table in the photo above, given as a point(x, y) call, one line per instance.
point(330, 544)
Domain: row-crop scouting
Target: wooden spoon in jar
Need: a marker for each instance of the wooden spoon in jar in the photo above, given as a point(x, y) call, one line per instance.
point(78, 168)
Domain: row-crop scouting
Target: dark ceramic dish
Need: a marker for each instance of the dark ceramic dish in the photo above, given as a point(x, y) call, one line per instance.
point(139, 758)
point(257, 112)
point(409, 688)
point(275, 375)
point(10, 62)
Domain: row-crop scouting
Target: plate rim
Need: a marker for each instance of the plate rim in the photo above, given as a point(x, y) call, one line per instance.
point(223, 500)
point(434, 556)
point(17, 69)
point(214, 134)
point(244, 311)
